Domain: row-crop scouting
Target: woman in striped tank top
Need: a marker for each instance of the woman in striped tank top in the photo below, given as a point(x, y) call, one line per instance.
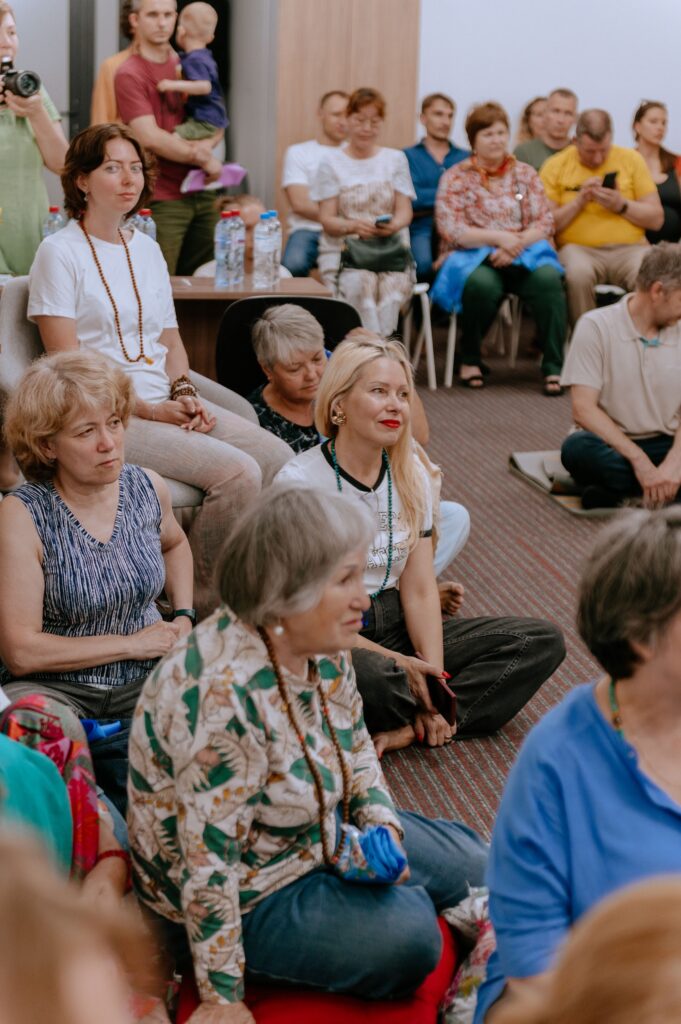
point(86, 545)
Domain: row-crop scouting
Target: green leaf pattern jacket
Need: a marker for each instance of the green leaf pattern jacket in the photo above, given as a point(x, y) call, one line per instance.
point(222, 805)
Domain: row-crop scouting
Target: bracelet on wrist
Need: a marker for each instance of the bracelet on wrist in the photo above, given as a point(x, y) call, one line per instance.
point(623, 208)
point(190, 613)
point(183, 386)
point(121, 855)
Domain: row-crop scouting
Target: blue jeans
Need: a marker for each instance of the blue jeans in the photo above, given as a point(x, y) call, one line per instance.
point(300, 254)
point(590, 461)
point(421, 239)
point(453, 530)
point(371, 941)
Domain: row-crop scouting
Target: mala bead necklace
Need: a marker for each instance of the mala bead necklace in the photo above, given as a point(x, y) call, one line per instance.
point(386, 464)
point(330, 859)
point(117, 321)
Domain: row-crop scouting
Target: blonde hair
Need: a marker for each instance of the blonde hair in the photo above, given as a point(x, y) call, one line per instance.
point(284, 330)
point(620, 963)
point(47, 926)
point(199, 20)
point(342, 372)
point(49, 393)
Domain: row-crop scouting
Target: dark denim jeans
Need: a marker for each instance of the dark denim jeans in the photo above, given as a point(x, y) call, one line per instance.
point(496, 665)
point(300, 254)
point(592, 462)
point(372, 941)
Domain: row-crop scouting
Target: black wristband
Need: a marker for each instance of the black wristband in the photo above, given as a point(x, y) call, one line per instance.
point(623, 209)
point(189, 612)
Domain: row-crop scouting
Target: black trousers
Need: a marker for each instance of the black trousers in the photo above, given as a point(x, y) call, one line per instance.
point(496, 665)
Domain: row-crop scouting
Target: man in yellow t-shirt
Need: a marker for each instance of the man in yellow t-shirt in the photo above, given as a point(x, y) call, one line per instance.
point(603, 200)
point(104, 108)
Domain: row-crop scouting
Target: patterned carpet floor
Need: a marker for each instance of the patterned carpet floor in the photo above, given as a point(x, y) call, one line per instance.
point(523, 557)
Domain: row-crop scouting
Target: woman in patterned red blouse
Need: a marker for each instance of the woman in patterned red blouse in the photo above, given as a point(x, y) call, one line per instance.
point(495, 227)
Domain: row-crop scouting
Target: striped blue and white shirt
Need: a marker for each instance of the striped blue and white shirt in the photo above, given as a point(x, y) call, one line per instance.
point(94, 588)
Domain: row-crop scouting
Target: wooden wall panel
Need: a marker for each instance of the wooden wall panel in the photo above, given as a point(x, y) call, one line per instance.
point(343, 44)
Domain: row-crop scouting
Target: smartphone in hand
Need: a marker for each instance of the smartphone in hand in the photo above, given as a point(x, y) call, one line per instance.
point(610, 179)
point(383, 219)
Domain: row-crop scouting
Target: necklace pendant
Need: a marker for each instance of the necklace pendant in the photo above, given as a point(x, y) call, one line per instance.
point(148, 361)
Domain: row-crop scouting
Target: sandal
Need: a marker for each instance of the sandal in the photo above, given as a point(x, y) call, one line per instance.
point(552, 387)
point(476, 382)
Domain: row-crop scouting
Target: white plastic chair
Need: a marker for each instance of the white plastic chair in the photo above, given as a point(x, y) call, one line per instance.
point(420, 293)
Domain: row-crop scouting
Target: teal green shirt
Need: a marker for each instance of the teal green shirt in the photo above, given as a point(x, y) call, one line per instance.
point(33, 794)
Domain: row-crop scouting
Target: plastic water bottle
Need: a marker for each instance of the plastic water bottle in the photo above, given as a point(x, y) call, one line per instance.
point(53, 222)
point(145, 223)
point(238, 249)
point(263, 250)
point(275, 228)
point(222, 250)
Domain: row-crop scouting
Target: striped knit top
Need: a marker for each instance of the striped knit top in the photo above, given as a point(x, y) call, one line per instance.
point(94, 588)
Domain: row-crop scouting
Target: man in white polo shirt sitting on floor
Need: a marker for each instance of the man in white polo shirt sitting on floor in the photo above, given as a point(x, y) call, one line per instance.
point(624, 369)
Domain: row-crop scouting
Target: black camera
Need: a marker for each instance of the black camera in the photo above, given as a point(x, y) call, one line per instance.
point(21, 83)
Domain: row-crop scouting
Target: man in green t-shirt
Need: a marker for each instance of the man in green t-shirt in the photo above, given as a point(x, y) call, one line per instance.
point(559, 119)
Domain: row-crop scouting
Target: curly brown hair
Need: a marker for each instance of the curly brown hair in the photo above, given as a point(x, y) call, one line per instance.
point(87, 152)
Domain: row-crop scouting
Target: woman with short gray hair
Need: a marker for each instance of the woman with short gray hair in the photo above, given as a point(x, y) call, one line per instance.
point(593, 802)
point(255, 790)
point(289, 345)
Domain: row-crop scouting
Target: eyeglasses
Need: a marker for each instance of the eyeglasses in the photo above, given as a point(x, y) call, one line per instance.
point(369, 122)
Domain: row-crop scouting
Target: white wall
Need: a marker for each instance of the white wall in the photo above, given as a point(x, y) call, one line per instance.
point(612, 54)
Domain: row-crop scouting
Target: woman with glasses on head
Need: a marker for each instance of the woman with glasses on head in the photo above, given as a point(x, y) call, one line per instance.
point(364, 191)
point(495, 229)
point(650, 127)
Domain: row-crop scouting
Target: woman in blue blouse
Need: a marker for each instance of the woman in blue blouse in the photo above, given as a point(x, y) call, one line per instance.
point(594, 801)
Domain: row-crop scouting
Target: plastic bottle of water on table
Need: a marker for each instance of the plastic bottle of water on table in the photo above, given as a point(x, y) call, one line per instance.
point(238, 249)
point(275, 228)
point(54, 221)
point(222, 250)
point(144, 222)
point(263, 251)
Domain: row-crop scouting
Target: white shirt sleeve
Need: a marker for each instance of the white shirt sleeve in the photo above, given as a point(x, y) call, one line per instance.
point(427, 527)
point(401, 178)
point(52, 282)
point(293, 472)
point(295, 172)
point(327, 183)
point(165, 289)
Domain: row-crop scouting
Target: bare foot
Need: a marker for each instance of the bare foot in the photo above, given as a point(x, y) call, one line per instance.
point(451, 597)
point(396, 739)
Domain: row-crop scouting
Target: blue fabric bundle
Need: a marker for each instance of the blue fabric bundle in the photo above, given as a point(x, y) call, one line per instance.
point(372, 856)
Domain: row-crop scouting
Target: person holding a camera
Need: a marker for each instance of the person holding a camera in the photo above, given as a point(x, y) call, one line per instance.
point(31, 138)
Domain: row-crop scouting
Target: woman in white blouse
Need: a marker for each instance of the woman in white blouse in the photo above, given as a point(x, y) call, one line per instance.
point(356, 186)
point(100, 285)
point(406, 659)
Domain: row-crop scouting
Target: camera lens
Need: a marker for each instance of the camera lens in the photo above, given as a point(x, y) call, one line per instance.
point(27, 83)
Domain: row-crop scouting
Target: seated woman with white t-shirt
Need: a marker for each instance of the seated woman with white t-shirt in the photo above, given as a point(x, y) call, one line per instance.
point(99, 285)
point(356, 186)
point(407, 660)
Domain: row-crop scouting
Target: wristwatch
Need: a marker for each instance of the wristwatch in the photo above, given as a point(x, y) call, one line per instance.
point(189, 612)
point(623, 208)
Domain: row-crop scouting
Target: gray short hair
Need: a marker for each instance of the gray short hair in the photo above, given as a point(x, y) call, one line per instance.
point(283, 330)
point(282, 552)
point(631, 588)
point(661, 263)
point(595, 123)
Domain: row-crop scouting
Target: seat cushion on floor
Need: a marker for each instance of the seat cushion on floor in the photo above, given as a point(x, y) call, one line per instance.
point(271, 1004)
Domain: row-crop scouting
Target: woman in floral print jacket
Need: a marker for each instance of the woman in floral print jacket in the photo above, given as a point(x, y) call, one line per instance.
point(248, 750)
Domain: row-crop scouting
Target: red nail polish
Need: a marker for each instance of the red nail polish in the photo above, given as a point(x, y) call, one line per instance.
point(446, 675)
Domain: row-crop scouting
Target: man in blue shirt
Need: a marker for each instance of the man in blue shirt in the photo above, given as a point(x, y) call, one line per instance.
point(427, 160)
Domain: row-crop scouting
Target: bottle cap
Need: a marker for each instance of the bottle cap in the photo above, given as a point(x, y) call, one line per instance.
point(224, 214)
point(145, 213)
point(54, 209)
point(264, 216)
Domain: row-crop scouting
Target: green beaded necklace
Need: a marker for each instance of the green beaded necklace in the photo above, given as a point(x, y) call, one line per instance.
point(615, 714)
point(339, 485)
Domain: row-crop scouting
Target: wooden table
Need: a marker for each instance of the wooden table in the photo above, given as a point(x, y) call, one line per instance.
point(200, 305)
